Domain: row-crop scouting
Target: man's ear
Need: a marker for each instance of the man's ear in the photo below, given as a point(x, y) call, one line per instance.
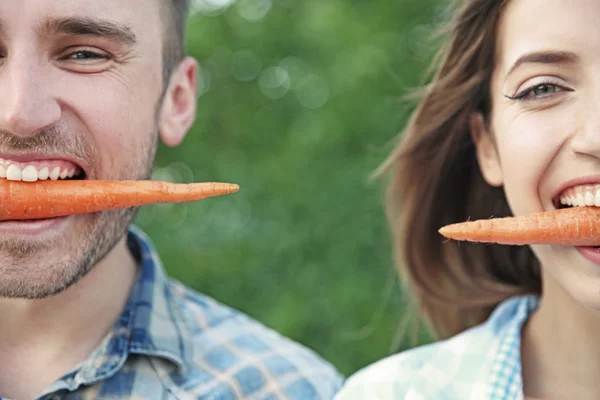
point(487, 154)
point(178, 111)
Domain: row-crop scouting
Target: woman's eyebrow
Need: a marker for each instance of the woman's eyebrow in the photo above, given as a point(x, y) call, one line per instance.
point(79, 25)
point(544, 57)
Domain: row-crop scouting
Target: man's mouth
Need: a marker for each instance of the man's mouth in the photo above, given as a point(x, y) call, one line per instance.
point(34, 170)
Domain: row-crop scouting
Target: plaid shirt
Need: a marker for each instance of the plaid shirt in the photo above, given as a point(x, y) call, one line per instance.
point(173, 343)
point(482, 363)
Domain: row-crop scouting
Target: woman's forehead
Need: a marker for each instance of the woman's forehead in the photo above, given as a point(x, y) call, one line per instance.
point(529, 26)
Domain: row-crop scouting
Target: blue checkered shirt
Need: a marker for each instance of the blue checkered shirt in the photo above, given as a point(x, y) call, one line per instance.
point(482, 363)
point(173, 343)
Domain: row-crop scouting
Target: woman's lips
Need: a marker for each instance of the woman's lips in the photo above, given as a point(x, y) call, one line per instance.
point(590, 253)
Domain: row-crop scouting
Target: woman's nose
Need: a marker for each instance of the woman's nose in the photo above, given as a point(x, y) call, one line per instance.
point(586, 139)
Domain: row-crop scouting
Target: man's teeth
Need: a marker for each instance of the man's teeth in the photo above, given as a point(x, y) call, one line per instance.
point(31, 174)
point(581, 196)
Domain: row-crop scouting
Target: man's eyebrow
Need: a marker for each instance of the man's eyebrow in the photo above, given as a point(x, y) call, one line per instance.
point(76, 25)
point(545, 57)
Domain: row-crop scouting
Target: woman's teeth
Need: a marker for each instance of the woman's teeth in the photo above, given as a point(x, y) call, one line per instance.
point(581, 196)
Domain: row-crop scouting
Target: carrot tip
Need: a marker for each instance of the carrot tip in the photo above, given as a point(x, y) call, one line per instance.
point(448, 231)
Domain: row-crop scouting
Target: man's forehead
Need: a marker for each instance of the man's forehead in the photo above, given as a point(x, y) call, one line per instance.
point(136, 15)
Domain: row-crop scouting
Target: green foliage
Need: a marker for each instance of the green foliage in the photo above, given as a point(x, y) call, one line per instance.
point(299, 103)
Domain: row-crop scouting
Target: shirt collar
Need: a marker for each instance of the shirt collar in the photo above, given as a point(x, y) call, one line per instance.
point(505, 379)
point(156, 326)
point(150, 324)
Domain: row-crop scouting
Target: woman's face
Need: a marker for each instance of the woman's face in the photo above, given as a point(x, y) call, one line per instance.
point(547, 134)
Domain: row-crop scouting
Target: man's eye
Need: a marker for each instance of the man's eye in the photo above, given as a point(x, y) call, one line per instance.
point(85, 55)
point(85, 60)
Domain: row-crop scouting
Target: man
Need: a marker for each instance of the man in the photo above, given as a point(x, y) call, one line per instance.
point(88, 88)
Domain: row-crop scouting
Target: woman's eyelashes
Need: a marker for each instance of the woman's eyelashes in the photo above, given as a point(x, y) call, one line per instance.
point(543, 90)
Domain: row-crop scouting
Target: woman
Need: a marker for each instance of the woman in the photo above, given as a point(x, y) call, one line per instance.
point(509, 125)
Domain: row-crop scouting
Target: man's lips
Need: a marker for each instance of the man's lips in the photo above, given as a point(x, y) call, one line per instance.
point(31, 168)
point(38, 228)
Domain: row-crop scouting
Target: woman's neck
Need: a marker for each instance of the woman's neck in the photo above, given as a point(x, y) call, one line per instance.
point(561, 347)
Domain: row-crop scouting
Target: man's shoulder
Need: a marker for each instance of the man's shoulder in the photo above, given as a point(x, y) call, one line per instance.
point(458, 367)
point(233, 356)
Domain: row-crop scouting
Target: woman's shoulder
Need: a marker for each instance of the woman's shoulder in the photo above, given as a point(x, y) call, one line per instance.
point(446, 369)
point(388, 378)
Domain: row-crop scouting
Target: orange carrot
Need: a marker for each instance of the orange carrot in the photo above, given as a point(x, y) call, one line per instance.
point(46, 199)
point(575, 226)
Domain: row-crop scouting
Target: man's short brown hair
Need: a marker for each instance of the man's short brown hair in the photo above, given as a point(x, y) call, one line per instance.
point(174, 44)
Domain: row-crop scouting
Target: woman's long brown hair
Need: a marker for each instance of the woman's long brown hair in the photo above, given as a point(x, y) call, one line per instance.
point(436, 180)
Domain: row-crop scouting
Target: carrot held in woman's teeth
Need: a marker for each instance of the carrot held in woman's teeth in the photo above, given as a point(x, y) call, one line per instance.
point(575, 226)
point(48, 199)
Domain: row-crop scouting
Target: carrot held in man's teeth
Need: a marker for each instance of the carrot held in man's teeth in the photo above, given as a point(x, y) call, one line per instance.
point(575, 226)
point(47, 199)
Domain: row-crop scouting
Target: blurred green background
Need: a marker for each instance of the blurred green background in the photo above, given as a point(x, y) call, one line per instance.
point(299, 102)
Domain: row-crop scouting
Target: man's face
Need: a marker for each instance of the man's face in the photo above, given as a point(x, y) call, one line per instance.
point(81, 85)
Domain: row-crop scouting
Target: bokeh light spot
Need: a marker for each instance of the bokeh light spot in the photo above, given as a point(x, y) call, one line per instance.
point(298, 70)
point(313, 93)
point(204, 80)
point(274, 82)
point(245, 65)
point(253, 10)
point(209, 7)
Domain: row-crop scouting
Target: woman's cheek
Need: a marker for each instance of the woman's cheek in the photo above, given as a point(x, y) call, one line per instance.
point(528, 147)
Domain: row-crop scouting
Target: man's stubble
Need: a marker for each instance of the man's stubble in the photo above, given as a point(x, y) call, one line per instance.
point(25, 270)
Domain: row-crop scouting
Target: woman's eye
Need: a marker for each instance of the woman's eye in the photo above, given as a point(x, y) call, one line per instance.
point(544, 90)
point(538, 92)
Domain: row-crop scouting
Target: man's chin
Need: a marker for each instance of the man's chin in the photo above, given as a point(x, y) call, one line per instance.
point(43, 258)
point(32, 284)
point(39, 259)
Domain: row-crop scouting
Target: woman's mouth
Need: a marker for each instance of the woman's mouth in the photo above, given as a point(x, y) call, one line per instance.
point(579, 196)
point(587, 195)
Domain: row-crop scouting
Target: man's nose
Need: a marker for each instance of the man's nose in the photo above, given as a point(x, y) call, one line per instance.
point(26, 103)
